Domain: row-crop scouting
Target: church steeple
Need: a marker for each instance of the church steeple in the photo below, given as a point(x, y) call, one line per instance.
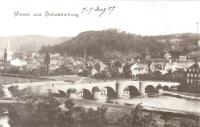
point(8, 51)
point(5, 56)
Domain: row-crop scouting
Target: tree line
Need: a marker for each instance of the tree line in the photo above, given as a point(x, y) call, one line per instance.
point(108, 43)
point(114, 44)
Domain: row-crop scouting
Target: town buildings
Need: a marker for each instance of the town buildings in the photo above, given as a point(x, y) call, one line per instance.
point(193, 78)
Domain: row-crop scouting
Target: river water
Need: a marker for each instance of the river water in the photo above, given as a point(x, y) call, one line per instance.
point(165, 102)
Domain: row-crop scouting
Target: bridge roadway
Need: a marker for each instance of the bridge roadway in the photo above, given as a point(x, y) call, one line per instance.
point(101, 89)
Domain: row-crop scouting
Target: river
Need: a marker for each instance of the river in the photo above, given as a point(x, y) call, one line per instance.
point(165, 102)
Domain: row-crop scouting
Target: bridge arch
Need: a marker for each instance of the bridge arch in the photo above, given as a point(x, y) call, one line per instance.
point(158, 88)
point(109, 91)
point(95, 89)
point(132, 91)
point(166, 88)
point(86, 94)
point(59, 93)
point(71, 91)
point(150, 89)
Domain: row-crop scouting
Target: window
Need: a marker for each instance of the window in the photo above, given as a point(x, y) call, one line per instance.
point(191, 75)
point(188, 80)
point(188, 75)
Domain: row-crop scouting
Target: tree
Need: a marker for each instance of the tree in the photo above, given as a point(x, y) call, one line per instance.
point(156, 75)
point(108, 44)
point(168, 76)
point(138, 118)
point(134, 119)
point(127, 70)
point(94, 118)
point(179, 75)
point(38, 111)
point(69, 104)
point(44, 111)
point(47, 61)
point(15, 91)
point(153, 120)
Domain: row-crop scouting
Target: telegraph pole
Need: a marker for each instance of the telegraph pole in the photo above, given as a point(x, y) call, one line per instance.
point(197, 45)
point(197, 25)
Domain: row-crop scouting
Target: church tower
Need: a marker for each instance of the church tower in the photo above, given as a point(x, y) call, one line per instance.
point(9, 52)
point(5, 57)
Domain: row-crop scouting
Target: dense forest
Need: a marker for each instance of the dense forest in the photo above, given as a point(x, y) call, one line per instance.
point(114, 44)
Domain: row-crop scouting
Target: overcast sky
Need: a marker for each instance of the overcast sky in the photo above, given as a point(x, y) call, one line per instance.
point(139, 17)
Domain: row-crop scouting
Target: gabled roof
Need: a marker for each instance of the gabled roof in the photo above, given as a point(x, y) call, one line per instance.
point(196, 65)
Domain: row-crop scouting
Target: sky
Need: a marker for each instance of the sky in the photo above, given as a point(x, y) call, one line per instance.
point(138, 17)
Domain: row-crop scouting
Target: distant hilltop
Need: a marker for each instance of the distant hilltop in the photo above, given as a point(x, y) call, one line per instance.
point(30, 42)
point(113, 43)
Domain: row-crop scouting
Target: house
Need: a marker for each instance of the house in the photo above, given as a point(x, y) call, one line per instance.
point(173, 66)
point(93, 71)
point(18, 62)
point(193, 78)
point(158, 64)
point(167, 56)
point(182, 58)
point(100, 66)
point(139, 68)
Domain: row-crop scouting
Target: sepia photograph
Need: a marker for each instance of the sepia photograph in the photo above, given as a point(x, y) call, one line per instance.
point(99, 63)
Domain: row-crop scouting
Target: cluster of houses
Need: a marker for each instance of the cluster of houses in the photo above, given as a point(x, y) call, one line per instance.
point(88, 66)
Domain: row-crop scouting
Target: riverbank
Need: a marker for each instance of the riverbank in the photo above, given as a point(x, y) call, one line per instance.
point(116, 111)
point(181, 95)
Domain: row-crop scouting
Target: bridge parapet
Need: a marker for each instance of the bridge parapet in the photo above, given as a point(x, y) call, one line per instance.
point(111, 88)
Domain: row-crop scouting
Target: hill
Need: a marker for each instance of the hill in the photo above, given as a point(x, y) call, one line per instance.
point(30, 42)
point(115, 44)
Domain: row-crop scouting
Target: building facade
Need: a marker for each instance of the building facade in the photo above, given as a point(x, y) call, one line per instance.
point(193, 78)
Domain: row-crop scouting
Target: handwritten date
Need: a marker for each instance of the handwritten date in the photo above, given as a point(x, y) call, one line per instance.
point(99, 10)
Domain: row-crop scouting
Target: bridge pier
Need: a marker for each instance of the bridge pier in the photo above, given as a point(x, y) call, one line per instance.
point(119, 90)
point(141, 88)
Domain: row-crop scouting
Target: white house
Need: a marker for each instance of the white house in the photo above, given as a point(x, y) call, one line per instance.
point(179, 65)
point(167, 56)
point(139, 68)
point(18, 62)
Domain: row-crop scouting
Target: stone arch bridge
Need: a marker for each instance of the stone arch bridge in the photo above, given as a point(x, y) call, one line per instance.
point(112, 89)
point(102, 90)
